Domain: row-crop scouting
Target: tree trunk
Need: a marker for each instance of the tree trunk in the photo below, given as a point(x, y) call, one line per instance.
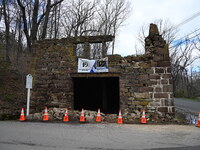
point(22, 8)
point(44, 30)
point(34, 29)
point(7, 25)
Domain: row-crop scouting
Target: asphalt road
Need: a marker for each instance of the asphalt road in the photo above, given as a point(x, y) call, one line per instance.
point(74, 136)
point(188, 105)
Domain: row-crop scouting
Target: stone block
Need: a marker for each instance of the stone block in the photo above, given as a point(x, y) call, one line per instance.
point(144, 77)
point(163, 109)
point(164, 81)
point(166, 57)
point(135, 103)
point(169, 70)
point(141, 95)
point(160, 95)
point(160, 51)
point(158, 89)
point(170, 81)
point(149, 71)
point(163, 64)
point(144, 103)
point(166, 76)
point(155, 104)
point(171, 110)
point(159, 70)
point(154, 64)
point(168, 102)
point(158, 58)
point(154, 76)
point(153, 82)
point(145, 65)
point(167, 88)
point(145, 89)
point(150, 95)
point(124, 89)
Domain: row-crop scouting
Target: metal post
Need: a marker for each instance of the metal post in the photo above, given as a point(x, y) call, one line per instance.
point(28, 102)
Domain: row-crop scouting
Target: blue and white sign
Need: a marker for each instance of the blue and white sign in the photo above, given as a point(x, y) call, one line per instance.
point(92, 66)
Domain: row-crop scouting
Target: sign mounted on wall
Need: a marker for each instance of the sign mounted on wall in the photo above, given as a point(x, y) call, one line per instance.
point(92, 66)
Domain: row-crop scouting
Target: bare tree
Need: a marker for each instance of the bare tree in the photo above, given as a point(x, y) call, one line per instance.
point(77, 17)
point(181, 58)
point(111, 15)
point(39, 19)
point(1, 11)
point(35, 19)
point(95, 17)
point(6, 15)
point(54, 27)
point(196, 40)
point(9, 15)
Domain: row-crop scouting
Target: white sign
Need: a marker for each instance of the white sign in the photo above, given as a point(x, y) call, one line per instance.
point(86, 65)
point(29, 80)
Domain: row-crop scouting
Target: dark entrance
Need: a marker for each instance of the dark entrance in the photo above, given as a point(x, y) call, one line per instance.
point(92, 93)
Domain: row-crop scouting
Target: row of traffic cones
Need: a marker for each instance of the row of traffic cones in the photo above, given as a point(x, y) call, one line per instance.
point(98, 117)
point(82, 117)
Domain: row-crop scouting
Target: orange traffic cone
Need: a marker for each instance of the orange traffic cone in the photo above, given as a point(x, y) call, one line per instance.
point(143, 120)
point(82, 117)
point(66, 118)
point(46, 115)
point(22, 117)
point(98, 118)
point(198, 124)
point(120, 121)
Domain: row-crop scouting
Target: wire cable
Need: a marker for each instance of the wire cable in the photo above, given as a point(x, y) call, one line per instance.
point(185, 40)
point(189, 34)
point(188, 19)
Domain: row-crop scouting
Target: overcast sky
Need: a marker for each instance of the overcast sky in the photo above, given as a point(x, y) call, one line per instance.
point(146, 11)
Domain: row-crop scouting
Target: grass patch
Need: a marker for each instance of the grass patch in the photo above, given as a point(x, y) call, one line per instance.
point(194, 99)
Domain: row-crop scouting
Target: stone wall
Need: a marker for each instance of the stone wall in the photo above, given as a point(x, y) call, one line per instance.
point(51, 68)
point(145, 81)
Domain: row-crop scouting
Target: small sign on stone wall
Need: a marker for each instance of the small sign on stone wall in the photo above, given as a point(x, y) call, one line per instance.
point(92, 66)
point(29, 80)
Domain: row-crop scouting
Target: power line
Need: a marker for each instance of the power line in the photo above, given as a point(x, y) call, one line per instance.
point(189, 34)
point(184, 22)
point(184, 40)
point(188, 19)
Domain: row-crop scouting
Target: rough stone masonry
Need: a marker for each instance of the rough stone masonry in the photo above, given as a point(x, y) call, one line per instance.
point(145, 81)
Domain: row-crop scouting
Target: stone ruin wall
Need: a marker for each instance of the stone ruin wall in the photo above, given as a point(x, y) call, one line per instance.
point(145, 81)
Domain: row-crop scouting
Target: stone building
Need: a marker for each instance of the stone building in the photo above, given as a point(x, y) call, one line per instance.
point(132, 83)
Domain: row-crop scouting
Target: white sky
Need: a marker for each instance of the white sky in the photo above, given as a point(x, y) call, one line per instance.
point(146, 11)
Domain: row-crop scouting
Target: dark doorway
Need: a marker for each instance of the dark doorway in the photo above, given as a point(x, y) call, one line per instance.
point(92, 93)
